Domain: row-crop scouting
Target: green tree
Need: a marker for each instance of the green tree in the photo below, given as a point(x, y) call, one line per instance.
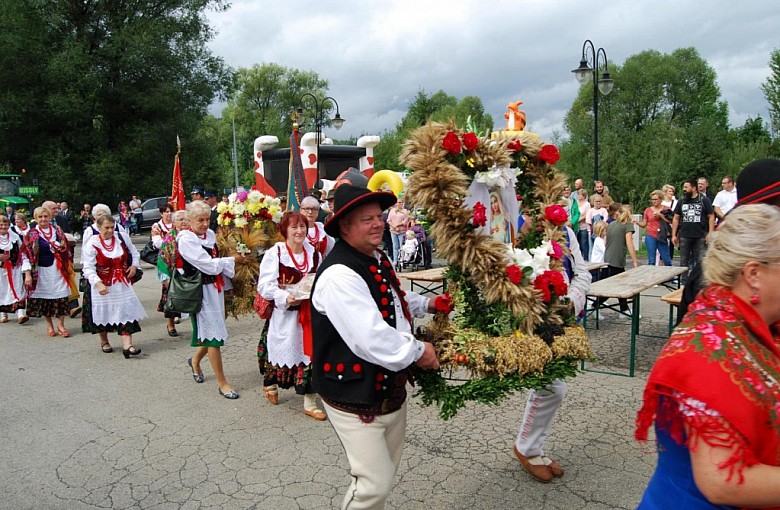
point(771, 88)
point(113, 84)
point(664, 121)
point(438, 107)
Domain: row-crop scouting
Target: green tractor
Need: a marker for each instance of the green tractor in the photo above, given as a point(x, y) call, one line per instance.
point(11, 193)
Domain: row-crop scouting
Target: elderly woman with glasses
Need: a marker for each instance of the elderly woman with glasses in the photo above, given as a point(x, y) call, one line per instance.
point(316, 236)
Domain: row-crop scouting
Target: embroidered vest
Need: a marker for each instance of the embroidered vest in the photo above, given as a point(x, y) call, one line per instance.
point(189, 269)
point(342, 378)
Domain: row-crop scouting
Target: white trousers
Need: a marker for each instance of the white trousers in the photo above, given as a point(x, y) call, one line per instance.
point(374, 453)
point(539, 417)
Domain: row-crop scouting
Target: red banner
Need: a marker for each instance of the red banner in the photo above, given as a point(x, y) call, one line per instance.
point(177, 194)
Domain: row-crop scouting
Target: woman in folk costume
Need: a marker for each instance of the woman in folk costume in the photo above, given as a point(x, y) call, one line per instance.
point(285, 344)
point(110, 264)
point(13, 265)
point(166, 229)
point(48, 283)
point(714, 392)
point(197, 251)
point(316, 236)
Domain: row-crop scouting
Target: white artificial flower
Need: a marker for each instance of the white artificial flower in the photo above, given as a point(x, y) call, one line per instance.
point(496, 177)
point(232, 197)
point(238, 208)
point(255, 196)
point(240, 222)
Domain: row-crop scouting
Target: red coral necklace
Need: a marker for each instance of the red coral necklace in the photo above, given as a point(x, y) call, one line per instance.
point(303, 268)
point(316, 239)
point(45, 235)
point(106, 246)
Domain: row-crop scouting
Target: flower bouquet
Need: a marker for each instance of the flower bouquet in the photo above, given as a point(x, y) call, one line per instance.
point(248, 225)
point(513, 325)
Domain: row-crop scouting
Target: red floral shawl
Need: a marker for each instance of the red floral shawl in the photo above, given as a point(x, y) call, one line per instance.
point(724, 355)
point(61, 255)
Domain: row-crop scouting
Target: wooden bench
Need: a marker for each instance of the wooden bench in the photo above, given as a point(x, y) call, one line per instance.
point(674, 299)
point(428, 281)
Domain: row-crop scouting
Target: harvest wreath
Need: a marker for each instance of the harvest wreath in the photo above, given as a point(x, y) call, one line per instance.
point(513, 325)
point(248, 225)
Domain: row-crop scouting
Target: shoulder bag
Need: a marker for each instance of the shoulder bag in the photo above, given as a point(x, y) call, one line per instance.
point(185, 293)
point(149, 253)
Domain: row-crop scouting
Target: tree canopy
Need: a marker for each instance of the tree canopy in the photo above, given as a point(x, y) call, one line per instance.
point(663, 122)
point(96, 93)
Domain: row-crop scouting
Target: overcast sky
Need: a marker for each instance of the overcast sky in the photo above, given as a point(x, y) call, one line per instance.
point(377, 55)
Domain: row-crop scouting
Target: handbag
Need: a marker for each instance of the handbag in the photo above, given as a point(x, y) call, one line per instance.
point(185, 293)
point(149, 253)
point(264, 307)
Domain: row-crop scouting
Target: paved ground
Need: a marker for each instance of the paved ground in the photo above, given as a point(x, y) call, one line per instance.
point(86, 430)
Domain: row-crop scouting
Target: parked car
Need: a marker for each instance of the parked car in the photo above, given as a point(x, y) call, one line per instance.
point(151, 211)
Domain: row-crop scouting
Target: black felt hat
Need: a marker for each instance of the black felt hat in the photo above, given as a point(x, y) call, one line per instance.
point(759, 182)
point(348, 198)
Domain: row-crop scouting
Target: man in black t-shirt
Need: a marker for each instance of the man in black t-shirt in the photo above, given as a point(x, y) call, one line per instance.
point(694, 219)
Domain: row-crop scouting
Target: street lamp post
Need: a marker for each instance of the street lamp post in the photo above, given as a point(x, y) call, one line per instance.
point(320, 108)
point(584, 73)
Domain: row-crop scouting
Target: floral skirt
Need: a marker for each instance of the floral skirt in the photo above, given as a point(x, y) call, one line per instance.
point(87, 326)
point(197, 342)
point(39, 307)
point(163, 299)
point(285, 377)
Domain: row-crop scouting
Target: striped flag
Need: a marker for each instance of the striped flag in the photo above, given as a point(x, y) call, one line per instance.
point(296, 185)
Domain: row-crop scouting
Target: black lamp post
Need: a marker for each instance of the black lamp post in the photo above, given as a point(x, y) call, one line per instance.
point(320, 108)
point(584, 73)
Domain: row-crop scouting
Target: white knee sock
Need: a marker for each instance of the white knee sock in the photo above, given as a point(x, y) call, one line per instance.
point(310, 401)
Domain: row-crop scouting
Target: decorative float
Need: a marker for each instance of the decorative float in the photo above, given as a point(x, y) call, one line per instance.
point(513, 326)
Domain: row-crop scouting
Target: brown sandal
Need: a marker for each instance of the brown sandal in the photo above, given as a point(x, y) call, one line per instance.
point(106, 347)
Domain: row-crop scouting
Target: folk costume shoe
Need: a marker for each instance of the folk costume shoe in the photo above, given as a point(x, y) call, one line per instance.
point(316, 413)
point(535, 466)
point(272, 393)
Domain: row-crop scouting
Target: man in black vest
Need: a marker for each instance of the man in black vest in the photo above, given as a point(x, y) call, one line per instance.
point(363, 344)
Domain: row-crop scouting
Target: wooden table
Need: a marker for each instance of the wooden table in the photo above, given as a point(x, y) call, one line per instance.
point(428, 281)
point(630, 285)
point(595, 266)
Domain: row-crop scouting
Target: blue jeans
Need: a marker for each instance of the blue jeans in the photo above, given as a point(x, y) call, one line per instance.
point(661, 247)
point(398, 241)
point(583, 237)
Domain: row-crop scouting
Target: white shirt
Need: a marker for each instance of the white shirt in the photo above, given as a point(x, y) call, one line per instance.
point(343, 296)
point(725, 200)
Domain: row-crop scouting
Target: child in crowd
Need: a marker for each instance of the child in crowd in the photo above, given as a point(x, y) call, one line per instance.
point(409, 248)
point(599, 246)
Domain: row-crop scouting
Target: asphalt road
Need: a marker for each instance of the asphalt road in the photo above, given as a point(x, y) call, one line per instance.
point(87, 430)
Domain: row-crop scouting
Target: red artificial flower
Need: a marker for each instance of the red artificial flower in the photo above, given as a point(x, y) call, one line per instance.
point(542, 283)
point(549, 154)
point(515, 274)
point(451, 143)
point(480, 218)
point(470, 141)
point(557, 251)
point(558, 283)
point(556, 215)
point(515, 146)
point(443, 303)
point(551, 283)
